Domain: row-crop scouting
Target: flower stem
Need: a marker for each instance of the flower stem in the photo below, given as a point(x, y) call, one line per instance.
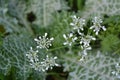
point(56, 48)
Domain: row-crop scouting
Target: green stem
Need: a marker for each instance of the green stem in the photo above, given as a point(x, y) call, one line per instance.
point(56, 48)
point(61, 48)
point(116, 51)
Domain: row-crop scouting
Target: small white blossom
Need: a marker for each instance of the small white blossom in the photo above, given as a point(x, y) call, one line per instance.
point(78, 23)
point(37, 66)
point(97, 25)
point(85, 40)
point(85, 49)
point(85, 43)
point(80, 33)
point(33, 59)
point(49, 62)
point(32, 55)
point(44, 42)
point(35, 63)
point(69, 39)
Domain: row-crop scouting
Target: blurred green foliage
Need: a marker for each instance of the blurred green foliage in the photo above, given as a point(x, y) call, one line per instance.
point(23, 20)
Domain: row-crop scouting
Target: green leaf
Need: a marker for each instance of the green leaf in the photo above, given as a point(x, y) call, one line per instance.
point(110, 43)
point(44, 10)
point(101, 7)
point(96, 66)
point(13, 60)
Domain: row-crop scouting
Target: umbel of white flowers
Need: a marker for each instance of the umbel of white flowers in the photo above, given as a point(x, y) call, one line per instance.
point(35, 63)
point(69, 39)
point(78, 24)
point(84, 40)
point(48, 62)
point(44, 42)
point(97, 25)
point(85, 43)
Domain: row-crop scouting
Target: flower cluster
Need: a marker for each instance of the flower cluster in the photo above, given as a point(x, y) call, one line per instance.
point(97, 25)
point(69, 39)
point(33, 59)
point(84, 38)
point(117, 72)
point(78, 23)
point(85, 43)
point(85, 46)
point(44, 42)
point(32, 55)
point(48, 62)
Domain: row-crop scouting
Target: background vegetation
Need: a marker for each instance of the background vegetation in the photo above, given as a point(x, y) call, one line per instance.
point(23, 20)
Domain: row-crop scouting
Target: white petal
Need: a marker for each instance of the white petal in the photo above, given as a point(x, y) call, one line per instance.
point(45, 34)
point(65, 43)
point(30, 48)
point(75, 38)
point(91, 27)
point(93, 38)
point(83, 19)
point(37, 51)
point(96, 33)
point(81, 42)
point(64, 36)
point(36, 39)
point(74, 16)
point(47, 56)
point(50, 44)
point(38, 47)
point(70, 44)
point(55, 57)
point(51, 38)
point(39, 37)
point(72, 24)
point(70, 35)
point(104, 28)
point(57, 65)
point(82, 29)
point(113, 72)
point(89, 48)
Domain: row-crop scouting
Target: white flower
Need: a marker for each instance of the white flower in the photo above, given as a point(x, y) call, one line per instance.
point(85, 43)
point(69, 39)
point(97, 25)
point(37, 66)
point(85, 40)
point(85, 49)
point(78, 23)
point(49, 62)
point(44, 42)
point(33, 59)
point(35, 63)
point(32, 55)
